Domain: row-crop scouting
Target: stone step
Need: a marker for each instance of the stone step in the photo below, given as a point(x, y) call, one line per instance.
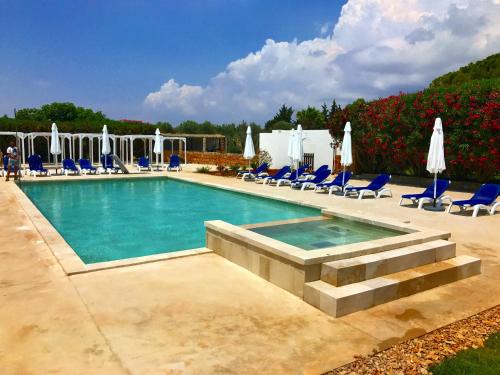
point(343, 300)
point(365, 267)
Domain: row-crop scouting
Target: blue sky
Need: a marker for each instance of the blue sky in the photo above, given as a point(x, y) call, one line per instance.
point(110, 54)
point(233, 60)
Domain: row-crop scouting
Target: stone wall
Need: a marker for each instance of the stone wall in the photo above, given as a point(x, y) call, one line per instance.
point(211, 158)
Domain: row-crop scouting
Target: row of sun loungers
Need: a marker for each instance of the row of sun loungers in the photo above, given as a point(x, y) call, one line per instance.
point(483, 199)
point(36, 168)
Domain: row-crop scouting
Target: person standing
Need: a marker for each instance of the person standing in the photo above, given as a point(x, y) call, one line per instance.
point(13, 161)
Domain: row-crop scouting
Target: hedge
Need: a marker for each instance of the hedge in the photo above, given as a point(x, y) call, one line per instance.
point(392, 134)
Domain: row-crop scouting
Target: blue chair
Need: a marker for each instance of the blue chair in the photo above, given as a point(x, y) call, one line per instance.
point(69, 166)
point(107, 164)
point(483, 199)
point(5, 164)
point(428, 194)
point(294, 176)
point(338, 183)
point(280, 174)
point(252, 174)
point(321, 176)
point(376, 187)
point(35, 166)
point(87, 167)
point(175, 163)
point(308, 176)
point(143, 163)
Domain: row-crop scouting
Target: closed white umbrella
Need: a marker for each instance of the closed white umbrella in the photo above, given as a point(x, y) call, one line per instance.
point(106, 146)
point(298, 146)
point(291, 142)
point(55, 145)
point(346, 154)
point(157, 149)
point(249, 151)
point(435, 159)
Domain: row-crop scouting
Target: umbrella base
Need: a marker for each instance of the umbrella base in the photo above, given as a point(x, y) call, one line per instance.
point(434, 208)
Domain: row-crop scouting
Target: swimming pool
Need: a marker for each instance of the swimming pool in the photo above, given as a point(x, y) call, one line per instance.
point(317, 234)
point(110, 219)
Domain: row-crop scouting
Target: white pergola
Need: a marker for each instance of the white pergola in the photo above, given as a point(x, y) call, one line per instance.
point(63, 139)
point(121, 145)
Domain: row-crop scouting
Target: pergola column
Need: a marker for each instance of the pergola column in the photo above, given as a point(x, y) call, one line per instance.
point(48, 149)
point(204, 148)
point(185, 151)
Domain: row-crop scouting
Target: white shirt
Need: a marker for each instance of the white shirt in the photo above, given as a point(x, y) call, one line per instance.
point(12, 151)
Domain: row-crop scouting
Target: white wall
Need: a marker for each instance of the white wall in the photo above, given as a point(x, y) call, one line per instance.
point(315, 141)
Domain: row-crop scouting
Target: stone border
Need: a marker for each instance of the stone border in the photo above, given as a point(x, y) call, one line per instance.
point(414, 235)
point(65, 255)
point(290, 267)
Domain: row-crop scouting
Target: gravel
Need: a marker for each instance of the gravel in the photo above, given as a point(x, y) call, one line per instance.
point(416, 355)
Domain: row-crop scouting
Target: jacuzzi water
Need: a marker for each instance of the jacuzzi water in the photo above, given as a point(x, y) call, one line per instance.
point(114, 219)
point(317, 234)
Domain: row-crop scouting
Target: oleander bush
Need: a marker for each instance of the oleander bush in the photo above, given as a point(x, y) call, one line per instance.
point(393, 134)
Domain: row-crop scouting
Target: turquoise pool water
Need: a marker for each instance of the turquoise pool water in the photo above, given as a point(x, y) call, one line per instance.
point(319, 234)
point(106, 220)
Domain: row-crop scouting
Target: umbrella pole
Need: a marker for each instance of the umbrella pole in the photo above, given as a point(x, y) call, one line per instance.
point(343, 177)
point(435, 181)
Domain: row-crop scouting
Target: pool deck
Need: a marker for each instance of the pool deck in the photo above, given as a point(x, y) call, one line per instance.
point(204, 314)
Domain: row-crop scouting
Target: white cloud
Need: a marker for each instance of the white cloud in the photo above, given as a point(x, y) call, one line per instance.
point(324, 28)
point(377, 47)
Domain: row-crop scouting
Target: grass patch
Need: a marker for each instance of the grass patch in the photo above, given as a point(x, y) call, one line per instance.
point(484, 361)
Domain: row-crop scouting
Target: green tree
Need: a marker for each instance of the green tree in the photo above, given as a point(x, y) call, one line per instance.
point(311, 118)
point(484, 69)
point(284, 115)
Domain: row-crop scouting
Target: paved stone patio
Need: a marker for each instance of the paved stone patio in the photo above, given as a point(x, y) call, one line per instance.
point(204, 314)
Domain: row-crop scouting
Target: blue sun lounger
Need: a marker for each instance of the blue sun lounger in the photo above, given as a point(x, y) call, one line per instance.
point(428, 194)
point(310, 176)
point(294, 176)
point(143, 163)
point(69, 166)
point(107, 164)
point(321, 176)
point(335, 184)
point(280, 174)
point(254, 173)
point(174, 163)
point(35, 166)
point(375, 188)
point(483, 199)
point(87, 167)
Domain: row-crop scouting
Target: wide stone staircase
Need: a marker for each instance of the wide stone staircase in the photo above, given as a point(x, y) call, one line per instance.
point(358, 283)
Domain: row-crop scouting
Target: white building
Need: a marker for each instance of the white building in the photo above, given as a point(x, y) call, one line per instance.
point(316, 142)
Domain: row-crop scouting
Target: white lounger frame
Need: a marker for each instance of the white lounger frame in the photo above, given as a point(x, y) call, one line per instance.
point(489, 208)
point(139, 168)
point(249, 176)
point(35, 173)
point(86, 171)
point(423, 200)
point(376, 193)
point(66, 172)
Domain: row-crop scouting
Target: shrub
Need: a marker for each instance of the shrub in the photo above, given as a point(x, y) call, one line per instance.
point(393, 134)
point(222, 169)
point(264, 157)
point(204, 169)
point(234, 168)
